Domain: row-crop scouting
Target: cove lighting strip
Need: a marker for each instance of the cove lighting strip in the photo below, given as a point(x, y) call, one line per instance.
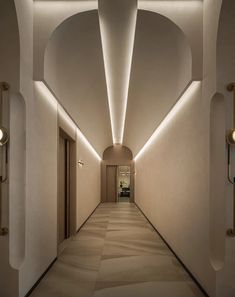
point(47, 94)
point(61, 5)
point(186, 96)
point(117, 85)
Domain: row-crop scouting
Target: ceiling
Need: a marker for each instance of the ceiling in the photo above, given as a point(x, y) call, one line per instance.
point(75, 71)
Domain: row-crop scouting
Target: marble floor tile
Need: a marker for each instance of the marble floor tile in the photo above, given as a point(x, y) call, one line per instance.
point(149, 289)
point(141, 268)
point(117, 253)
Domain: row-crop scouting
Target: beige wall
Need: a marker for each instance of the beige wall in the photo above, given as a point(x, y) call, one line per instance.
point(41, 207)
point(177, 204)
point(88, 181)
point(41, 201)
point(74, 70)
point(173, 196)
point(35, 213)
point(161, 70)
point(9, 72)
point(187, 200)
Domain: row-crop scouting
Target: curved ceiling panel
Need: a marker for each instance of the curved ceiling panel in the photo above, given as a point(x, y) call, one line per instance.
point(117, 24)
point(161, 69)
point(74, 70)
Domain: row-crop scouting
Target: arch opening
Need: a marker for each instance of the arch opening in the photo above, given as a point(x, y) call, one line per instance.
point(117, 175)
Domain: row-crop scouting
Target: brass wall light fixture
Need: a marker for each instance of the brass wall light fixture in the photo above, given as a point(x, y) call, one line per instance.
point(231, 143)
point(4, 136)
point(81, 163)
point(231, 137)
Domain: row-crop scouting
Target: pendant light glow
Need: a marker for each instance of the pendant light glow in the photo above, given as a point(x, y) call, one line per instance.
point(187, 95)
point(117, 25)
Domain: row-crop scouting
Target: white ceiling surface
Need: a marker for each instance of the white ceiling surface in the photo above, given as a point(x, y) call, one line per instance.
point(161, 69)
point(74, 70)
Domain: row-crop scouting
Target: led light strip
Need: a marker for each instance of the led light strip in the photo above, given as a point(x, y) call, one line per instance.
point(193, 87)
point(117, 80)
point(55, 103)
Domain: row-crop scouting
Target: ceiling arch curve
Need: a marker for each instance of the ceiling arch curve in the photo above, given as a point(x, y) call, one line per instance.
point(161, 70)
point(225, 46)
point(83, 110)
point(74, 71)
point(10, 45)
point(187, 15)
point(49, 15)
point(117, 153)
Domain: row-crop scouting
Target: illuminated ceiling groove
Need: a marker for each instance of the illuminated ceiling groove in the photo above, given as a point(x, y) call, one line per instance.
point(51, 99)
point(186, 96)
point(117, 25)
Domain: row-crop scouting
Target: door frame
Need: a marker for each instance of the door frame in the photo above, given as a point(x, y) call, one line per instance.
point(131, 183)
point(116, 196)
point(70, 187)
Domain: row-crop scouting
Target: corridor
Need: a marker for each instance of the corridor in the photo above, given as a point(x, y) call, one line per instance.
point(117, 253)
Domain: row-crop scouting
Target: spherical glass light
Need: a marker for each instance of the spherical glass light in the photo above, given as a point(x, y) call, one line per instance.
point(231, 137)
point(4, 137)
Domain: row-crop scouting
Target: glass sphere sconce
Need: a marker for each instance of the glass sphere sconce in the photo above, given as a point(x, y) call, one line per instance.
point(4, 136)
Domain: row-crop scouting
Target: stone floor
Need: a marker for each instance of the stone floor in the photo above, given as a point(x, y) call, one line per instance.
point(117, 254)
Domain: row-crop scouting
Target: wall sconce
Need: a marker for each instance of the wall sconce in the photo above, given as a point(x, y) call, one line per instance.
point(231, 137)
point(81, 163)
point(4, 136)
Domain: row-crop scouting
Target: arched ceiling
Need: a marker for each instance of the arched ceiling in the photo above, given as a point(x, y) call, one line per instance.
point(161, 69)
point(75, 72)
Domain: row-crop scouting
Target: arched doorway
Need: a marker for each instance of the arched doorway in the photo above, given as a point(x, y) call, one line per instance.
point(117, 175)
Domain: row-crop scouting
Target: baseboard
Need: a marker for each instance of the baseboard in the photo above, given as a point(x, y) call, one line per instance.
point(88, 217)
point(178, 258)
point(41, 277)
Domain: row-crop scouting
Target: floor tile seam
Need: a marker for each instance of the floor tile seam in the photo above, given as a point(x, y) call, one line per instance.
point(101, 254)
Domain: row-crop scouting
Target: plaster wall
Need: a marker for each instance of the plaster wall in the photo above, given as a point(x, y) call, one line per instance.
point(88, 182)
point(37, 215)
point(47, 16)
point(41, 212)
point(187, 147)
point(9, 72)
point(173, 196)
point(74, 70)
point(161, 70)
point(187, 15)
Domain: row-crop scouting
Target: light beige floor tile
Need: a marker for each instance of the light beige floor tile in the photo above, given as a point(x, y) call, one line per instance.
point(117, 254)
point(149, 289)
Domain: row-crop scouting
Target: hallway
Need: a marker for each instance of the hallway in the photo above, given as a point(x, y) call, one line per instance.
point(117, 253)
